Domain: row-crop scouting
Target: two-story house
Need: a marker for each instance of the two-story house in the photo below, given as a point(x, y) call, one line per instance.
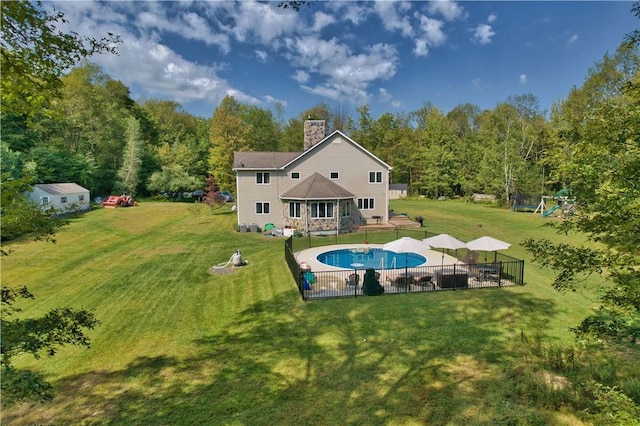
point(333, 185)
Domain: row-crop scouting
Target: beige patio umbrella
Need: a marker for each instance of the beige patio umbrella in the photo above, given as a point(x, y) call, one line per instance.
point(488, 244)
point(445, 241)
point(406, 245)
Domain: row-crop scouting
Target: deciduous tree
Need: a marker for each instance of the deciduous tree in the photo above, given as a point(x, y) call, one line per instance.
point(600, 153)
point(35, 53)
point(35, 336)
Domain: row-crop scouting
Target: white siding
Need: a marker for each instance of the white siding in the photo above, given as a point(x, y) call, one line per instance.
point(73, 201)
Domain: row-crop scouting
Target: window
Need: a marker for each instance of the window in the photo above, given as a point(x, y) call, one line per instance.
point(346, 208)
point(366, 203)
point(46, 200)
point(63, 200)
point(294, 210)
point(263, 208)
point(321, 210)
point(263, 178)
point(375, 177)
point(334, 175)
point(81, 198)
point(295, 175)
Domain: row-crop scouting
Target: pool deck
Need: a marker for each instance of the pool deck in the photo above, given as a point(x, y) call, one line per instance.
point(434, 258)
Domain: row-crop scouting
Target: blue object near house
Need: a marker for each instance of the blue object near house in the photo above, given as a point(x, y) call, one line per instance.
point(308, 279)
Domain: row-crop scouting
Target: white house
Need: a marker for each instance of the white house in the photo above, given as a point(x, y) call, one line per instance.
point(65, 197)
point(333, 185)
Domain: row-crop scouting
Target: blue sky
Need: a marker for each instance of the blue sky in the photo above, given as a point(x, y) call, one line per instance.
point(393, 56)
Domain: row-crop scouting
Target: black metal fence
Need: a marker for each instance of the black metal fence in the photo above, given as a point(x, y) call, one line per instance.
point(496, 270)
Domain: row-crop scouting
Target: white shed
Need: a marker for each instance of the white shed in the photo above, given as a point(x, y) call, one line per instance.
point(66, 197)
point(398, 190)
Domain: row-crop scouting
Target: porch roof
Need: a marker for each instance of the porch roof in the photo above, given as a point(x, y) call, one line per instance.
point(317, 187)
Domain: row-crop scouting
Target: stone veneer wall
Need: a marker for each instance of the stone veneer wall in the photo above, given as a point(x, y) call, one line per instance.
point(314, 132)
point(347, 224)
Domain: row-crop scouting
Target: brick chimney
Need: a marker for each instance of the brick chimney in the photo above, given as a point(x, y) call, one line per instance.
point(314, 132)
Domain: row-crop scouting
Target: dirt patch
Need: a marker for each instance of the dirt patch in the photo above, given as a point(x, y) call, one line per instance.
point(221, 271)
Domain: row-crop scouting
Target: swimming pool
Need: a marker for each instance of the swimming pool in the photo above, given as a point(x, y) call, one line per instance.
point(370, 258)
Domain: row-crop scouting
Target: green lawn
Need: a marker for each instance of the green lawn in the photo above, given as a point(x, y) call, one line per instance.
point(179, 345)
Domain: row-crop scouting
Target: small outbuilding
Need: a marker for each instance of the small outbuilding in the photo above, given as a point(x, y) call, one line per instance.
point(398, 191)
point(65, 197)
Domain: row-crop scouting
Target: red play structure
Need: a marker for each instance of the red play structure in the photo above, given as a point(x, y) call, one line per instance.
point(118, 200)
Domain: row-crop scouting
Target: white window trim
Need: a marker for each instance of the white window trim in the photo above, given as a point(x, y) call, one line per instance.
point(370, 201)
point(347, 208)
point(299, 209)
point(375, 181)
point(263, 203)
point(263, 175)
point(332, 217)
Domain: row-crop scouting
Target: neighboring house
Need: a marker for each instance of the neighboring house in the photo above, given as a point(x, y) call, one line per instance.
point(398, 190)
point(334, 185)
point(65, 197)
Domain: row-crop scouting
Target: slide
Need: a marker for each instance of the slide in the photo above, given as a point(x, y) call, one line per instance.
point(551, 210)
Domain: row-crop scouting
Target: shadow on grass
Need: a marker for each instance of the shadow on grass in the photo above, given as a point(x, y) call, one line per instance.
point(422, 360)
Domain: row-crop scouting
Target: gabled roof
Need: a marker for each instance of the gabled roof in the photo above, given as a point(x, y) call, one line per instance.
point(280, 160)
point(262, 160)
point(338, 132)
point(61, 188)
point(317, 187)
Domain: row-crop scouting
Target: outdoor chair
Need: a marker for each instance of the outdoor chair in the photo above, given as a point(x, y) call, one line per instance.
point(352, 280)
point(471, 258)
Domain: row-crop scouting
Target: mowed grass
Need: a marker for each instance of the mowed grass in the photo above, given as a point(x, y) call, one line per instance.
point(179, 345)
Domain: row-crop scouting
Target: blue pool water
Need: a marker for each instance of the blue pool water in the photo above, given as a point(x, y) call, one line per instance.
point(372, 258)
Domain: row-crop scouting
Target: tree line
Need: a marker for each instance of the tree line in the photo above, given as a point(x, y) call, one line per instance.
point(94, 134)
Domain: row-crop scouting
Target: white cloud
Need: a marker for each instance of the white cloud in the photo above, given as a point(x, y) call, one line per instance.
point(249, 20)
point(272, 101)
point(385, 97)
point(384, 94)
point(522, 79)
point(483, 33)
point(153, 17)
point(432, 29)
point(477, 85)
point(261, 55)
point(431, 34)
point(572, 40)
point(144, 64)
point(391, 20)
point(422, 48)
point(492, 18)
point(301, 77)
point(349, 11)
point(346, 74)
point(450, 10)
point(321, 20)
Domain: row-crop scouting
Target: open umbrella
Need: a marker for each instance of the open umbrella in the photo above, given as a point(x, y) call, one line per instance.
point(406, 245)
point(487, 244)
point(445, 241)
